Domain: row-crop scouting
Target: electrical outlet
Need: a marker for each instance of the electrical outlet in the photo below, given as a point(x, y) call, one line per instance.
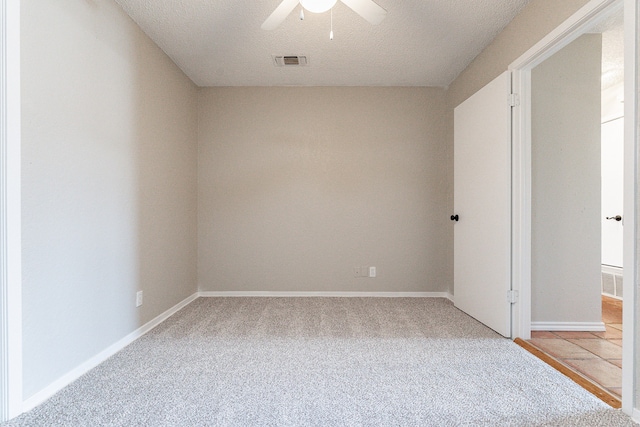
point(138, 298)
point(364, 271)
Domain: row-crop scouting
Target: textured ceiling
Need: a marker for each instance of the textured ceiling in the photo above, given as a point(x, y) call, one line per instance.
point(419, 43)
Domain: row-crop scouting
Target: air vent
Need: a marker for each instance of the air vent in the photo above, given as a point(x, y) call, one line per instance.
point(290, 60)
point(612, 281)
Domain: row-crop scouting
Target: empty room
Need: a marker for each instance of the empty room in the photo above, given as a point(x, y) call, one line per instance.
point(311, 212)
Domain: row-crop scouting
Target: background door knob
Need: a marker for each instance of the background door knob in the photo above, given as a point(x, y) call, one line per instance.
point(454, 218)
point(617, 217)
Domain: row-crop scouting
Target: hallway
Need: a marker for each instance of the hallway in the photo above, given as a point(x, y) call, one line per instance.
point(595, 355)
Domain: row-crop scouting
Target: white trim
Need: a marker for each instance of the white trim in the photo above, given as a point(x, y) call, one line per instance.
point(563, 35)
point(630, 355)
point(610, 269)
point(85, 367)
point(521, 206)
point(10, 245)
point(568, 326)
point(521, 246)
point(636, 415)
point(213, 294)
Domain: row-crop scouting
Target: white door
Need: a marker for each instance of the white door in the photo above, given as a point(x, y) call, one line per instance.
point(482, 200)
point(612, 190)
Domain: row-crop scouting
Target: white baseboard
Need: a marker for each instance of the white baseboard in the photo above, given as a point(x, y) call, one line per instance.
point(568, 326)
point(209, 294)
point(612, 269)
point(636, 415)
point(71, 376)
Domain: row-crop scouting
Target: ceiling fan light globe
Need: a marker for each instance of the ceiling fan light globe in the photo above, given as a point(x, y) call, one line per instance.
point(318, 6)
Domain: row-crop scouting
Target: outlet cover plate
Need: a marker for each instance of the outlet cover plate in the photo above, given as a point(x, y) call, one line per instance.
point(138, 298)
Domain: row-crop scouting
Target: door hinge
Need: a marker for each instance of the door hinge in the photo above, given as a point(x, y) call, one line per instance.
point(514, 100)
point(512, 297)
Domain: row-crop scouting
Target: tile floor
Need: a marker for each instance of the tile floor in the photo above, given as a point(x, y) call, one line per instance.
point(596, 355)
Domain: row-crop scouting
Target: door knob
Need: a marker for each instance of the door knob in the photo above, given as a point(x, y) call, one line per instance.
point(454, 218)
point(617, 217)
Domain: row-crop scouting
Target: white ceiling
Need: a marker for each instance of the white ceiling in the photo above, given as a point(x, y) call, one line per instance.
point(419, 43)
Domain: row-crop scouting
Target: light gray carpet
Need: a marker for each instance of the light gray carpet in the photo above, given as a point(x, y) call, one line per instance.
point(323, 362)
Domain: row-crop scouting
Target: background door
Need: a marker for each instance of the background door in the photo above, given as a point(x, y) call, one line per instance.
point(482, 199)
point(612, 191)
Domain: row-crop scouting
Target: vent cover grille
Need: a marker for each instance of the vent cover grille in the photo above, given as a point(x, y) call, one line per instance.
point(612, 281)
point(290, 60)
point(608, 284)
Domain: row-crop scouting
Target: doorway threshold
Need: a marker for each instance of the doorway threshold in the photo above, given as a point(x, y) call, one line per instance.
point(592, 387)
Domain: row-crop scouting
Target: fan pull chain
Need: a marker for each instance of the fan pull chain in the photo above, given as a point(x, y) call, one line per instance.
point(301, 13)
point(331, 32)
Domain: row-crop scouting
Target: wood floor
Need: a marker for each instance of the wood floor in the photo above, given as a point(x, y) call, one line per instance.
point(595, 355)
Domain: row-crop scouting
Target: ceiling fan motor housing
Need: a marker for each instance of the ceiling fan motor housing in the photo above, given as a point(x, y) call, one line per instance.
point(318, 6)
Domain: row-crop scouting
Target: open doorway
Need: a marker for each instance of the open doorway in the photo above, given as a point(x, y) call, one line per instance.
point(577, 147)
point(522, 68)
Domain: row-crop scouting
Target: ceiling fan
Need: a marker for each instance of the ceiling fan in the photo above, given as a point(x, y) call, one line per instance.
point(368, 9)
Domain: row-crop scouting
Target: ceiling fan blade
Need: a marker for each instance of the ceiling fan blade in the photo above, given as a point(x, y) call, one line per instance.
point(280, 14)
point(368, 9)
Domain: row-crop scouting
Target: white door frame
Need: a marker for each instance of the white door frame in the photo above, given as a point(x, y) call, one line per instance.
point(521, 272)
point(10, 236)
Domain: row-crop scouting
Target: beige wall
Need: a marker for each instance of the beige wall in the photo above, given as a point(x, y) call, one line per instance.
point(109, 183)
point(565, 189)
point(299, 185)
